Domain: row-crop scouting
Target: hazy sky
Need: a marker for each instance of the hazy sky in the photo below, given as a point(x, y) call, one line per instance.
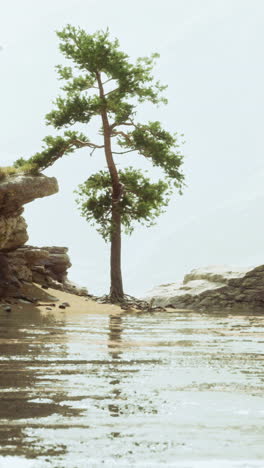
point(212, 60)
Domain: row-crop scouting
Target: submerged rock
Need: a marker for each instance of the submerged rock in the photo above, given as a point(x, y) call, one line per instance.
point(214, 287)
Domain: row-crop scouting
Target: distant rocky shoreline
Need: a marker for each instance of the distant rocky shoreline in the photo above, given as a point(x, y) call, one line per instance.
point(213, 287)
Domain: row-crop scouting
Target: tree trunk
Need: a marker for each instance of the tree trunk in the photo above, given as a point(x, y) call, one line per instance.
point(116, 290)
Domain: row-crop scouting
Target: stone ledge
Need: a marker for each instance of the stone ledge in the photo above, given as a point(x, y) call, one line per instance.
point(213, 287)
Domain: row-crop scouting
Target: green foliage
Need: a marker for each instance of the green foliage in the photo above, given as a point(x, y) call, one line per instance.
point(142, 200)
point(75, 108)
point(27, 167)
point(20, 163)
point(92, 54)
point(102, 81)
point(95, 53)
point(53, 149)
point(158, 145)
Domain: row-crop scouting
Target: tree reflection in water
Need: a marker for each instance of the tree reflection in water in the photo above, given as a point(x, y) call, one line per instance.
point(114, 350)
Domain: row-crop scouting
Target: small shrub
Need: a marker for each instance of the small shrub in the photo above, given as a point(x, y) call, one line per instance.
point(29, 168)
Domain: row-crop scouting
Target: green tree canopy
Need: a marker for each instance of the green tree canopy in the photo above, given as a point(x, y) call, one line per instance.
point(141, 200)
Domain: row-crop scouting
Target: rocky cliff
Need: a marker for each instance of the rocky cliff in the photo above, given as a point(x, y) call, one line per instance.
point(15, 192)
point(213, 288)
point(21, 263)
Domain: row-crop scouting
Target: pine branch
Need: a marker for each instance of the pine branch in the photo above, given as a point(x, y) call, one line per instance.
point(125, 135)
point(107, 81)
point(116, 124)
point(81, 144)
point(109, 92)
point(123, 152)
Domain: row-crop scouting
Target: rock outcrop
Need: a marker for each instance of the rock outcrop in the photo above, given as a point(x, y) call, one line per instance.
point(46, 266)
point(15, 192)
point(21, 263)
point(213, 288)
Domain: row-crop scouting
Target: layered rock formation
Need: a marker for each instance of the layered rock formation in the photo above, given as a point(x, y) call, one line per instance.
point(16, 191)
point(213, 288)
point(23, 263)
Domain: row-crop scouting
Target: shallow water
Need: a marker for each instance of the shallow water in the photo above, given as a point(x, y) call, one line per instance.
point(165, 389)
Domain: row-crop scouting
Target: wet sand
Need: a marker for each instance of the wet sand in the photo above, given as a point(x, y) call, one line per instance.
point(54, 298)
point(92, 386)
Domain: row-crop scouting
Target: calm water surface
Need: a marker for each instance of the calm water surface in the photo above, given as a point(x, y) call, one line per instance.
point(165, 389)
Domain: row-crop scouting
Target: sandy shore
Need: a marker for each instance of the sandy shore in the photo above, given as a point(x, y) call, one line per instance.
point(50, 300)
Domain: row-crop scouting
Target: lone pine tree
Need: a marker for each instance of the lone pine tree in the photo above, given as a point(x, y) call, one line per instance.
point(103, 82)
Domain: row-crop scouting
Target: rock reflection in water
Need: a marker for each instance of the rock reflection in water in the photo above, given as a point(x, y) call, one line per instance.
point(27, 392)
point(131, 390)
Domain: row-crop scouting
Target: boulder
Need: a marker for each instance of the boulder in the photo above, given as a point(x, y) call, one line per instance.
point(215, 287)
point(17, 190)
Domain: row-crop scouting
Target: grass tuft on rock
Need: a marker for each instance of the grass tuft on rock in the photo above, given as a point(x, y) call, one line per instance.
point(8, 171)
point(27, 168)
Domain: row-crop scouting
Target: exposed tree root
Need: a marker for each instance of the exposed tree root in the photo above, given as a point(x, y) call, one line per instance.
point(128, 303)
